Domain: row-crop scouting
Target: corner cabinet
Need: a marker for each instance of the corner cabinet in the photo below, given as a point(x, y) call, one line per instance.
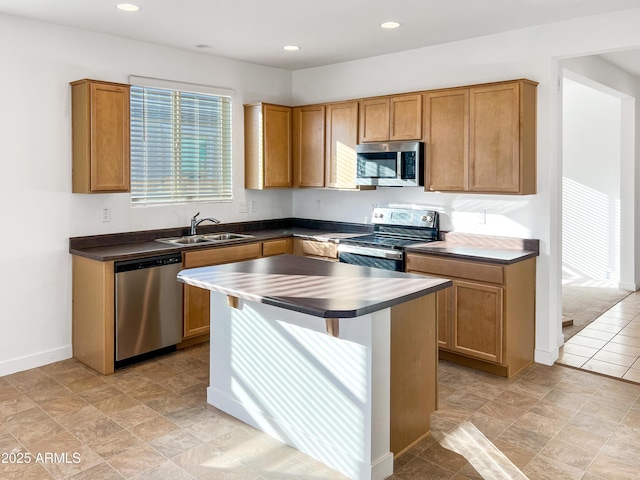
point(391, 118)
point(315, 249)
point(101, 137)
point(482, 139)
point(487, 319)
point(267, 146)
point(308, 146)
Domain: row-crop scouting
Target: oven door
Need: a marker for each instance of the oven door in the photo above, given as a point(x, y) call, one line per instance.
point(385, 259)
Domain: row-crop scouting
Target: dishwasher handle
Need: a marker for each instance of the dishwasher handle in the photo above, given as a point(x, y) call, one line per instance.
point(147, 262)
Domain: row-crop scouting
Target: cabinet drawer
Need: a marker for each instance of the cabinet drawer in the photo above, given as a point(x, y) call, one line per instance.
point(215, 256)
point(276, 247)
point(319, 249)
point(455, 268)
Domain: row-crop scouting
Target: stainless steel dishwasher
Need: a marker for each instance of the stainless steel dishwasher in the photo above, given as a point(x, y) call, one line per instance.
point(148, 305)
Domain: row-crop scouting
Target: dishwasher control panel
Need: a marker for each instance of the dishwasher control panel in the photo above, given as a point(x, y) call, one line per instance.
point(140, 263)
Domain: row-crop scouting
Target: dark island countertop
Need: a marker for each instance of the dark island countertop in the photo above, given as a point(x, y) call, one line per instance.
point(311, 286)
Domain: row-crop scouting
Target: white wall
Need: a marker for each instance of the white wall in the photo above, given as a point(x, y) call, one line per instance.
point(39, 212)
point(530, 53)
point(591, 185)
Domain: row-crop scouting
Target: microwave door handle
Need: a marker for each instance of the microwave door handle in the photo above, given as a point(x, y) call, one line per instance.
point(399, 172)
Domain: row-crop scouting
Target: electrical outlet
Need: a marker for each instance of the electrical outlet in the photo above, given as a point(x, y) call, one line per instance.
point(374, 205)
point(482, 217)
point(105, 214)
point(254, 206)
point(318, 205)
point(244, 207)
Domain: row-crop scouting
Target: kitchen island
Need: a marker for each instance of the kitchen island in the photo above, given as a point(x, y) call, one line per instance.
point(338, 361)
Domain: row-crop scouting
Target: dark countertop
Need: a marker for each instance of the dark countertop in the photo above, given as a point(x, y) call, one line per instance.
point(499, 250)
point(492, 255)
point(315, 287)
point(125, 251)
point(130, 245)
point(126, 246)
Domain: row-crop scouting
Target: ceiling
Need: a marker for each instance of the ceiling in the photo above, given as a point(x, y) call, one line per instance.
point(328, 31)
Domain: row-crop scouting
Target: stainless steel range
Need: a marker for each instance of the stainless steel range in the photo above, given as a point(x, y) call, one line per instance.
point(394, 229)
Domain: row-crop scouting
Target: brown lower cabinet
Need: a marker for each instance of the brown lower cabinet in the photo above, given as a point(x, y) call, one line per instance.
point(196, 300)
point(486, 320)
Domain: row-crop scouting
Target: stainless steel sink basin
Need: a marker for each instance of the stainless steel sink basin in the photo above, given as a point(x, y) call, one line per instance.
point(205, 238)
point(225, 236)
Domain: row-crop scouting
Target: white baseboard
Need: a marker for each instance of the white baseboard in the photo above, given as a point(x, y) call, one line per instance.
point(14, 365)
point(631, 287)
point(546, 358)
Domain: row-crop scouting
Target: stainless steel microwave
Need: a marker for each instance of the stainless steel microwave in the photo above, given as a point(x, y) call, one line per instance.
point(390, 164)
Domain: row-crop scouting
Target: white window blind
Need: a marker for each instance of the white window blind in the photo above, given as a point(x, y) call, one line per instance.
point(180, 146)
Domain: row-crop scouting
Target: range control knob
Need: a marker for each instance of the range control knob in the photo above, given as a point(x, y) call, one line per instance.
point(378, 215)
point(427, 218)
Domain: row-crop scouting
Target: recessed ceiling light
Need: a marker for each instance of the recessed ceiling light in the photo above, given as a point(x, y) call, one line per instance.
point(203, 46)
point(291, 48)
point(390, 25)
point(128, 7)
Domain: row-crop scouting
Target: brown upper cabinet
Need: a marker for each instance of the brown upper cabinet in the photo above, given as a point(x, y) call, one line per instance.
point(267, 146)
point(308, 146)
point(391, 118)
point(101, 136)
point(447, 140)
point(341, 136)
point(482, 139)
point(479, 139)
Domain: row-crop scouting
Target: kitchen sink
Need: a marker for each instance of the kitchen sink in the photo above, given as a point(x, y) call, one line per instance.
point(205, 238)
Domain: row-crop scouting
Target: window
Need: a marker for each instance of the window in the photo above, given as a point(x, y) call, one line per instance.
point(180, 146)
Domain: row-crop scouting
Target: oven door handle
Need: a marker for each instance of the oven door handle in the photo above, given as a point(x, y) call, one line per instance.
point(370, 252)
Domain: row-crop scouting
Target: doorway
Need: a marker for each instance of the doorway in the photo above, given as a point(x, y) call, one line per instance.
point(597, 178)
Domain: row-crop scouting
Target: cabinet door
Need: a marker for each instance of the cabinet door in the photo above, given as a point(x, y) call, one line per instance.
point(342, 137)
point(101, 137)
point(277, 247)
point(447, 140)
point(406, 117)
point(477, 320)
point(196, 311)
point(110, 141)
point(308, 146)
point(494, 154)
point(443, 316)
point(277, 146)
point(374, 120)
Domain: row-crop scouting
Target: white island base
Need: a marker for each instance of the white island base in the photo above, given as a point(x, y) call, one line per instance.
point(338, 398)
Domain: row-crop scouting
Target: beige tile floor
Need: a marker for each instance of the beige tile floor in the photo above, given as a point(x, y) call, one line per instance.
point(610, 345)
point(151, 421)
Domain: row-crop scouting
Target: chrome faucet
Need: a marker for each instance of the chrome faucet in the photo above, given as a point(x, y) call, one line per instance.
point(195, 223)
